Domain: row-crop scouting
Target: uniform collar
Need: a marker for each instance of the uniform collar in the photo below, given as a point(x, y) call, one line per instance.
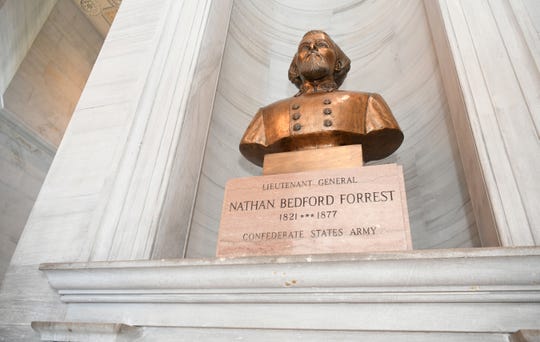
point(312, 87)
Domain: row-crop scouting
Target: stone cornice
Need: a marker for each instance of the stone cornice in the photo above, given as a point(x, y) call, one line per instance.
point(436, 276)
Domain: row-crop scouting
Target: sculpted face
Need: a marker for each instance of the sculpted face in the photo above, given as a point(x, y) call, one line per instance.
point(316, 57)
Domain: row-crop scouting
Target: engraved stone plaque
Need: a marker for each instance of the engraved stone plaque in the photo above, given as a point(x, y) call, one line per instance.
point(349, 210)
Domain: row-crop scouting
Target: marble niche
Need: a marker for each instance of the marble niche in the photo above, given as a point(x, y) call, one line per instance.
point(393, 54)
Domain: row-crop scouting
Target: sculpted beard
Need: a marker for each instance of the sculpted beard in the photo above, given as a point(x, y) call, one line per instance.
point(314, 67)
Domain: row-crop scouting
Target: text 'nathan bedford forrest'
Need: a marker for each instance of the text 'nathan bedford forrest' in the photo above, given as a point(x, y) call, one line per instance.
point(314, 201)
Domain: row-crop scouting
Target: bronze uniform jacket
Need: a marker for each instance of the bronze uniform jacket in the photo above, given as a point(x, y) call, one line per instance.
point(321, 120)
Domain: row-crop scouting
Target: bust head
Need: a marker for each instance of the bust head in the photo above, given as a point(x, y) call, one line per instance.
point(318, 63)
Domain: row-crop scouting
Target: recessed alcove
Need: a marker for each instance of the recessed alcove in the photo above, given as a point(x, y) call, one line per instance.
point(392, 52)
point(120, 190)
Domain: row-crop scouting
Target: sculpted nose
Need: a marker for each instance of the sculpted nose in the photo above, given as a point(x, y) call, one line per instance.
point(312, 47)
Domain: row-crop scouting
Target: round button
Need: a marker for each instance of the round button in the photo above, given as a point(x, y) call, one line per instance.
point(297, 127)
point(295, 106)
point(327, 101)
point(327, 123)
point(327, 111)
point(296, 116)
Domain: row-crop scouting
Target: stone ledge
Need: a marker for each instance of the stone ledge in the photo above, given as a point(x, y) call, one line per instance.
point(461, 290)
point(491, 275)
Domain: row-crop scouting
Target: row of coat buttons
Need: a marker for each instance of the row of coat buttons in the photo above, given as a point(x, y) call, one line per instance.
point(297, 115)
point(326, 123)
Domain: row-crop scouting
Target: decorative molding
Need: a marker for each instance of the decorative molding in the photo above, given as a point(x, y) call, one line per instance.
point(458, 285)
point(483, 275)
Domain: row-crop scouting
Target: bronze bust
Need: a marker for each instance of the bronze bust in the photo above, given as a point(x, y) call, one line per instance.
point(320, 115)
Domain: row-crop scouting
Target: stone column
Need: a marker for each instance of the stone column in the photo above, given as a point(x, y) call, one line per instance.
point(122, 183)
point(146, 207)
point(489, 55)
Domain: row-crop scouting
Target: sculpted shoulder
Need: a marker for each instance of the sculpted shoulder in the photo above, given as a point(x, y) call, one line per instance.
point(356, 95)
point(278, 105)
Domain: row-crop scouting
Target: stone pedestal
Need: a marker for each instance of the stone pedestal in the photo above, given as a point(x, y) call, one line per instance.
point(347, 210)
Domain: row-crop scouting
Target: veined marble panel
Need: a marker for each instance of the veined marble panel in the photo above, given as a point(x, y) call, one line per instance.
point(531, 15)
point(20, 22)
point(84, 167)
point(39, 103)
point(490, 52)
point(45, 90)
point(392, 53)
point(24, 161)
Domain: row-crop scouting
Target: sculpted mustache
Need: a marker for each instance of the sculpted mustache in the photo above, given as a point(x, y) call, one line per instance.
point(314, 53)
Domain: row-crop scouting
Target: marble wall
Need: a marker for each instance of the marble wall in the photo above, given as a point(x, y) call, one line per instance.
point(49, 81)
point(38, 105)
point(20, 22)
point(489, 53)
point(116, 155)
point(392, 53)
point(533, 12)
point(24, 161)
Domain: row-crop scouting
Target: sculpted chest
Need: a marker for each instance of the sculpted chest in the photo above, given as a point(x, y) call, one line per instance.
point(315, 114)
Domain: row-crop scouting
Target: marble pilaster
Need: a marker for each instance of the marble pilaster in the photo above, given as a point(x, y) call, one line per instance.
point(489, 55)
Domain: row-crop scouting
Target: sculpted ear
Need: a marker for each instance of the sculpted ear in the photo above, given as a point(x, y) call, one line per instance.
point(343, 65)
point(294, 74)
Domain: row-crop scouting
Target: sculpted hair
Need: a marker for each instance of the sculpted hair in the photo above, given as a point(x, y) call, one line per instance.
point(342, 67)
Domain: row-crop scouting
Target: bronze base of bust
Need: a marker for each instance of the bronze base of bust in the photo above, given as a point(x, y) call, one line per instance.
point(340, 157)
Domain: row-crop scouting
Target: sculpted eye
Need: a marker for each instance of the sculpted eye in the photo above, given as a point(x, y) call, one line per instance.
point(322, 44)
